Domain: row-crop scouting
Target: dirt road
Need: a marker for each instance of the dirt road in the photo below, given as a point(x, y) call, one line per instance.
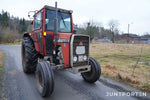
point(19, 86)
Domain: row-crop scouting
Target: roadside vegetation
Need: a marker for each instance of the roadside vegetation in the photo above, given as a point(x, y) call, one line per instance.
point(1, 61)
point(12, 28)
point(118, 61)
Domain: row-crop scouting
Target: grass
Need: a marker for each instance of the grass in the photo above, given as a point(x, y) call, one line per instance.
point(1, 76)
point(117, 61)
point(16, 42)
point(1, 61)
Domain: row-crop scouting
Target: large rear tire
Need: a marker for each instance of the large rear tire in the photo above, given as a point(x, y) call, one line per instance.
point(93, 75)
point(45, 78)
point(29, 55)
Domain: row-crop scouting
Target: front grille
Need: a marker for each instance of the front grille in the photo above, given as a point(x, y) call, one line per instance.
point(76, 42)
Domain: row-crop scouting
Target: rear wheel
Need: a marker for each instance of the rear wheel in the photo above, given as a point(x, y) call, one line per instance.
point(93, 75)
point(29, 55)
point(45, 78)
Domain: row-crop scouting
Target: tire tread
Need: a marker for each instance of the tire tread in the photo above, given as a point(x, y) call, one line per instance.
point(30, 54)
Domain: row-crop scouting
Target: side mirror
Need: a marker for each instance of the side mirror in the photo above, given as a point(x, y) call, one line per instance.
point(75, 28)
point(30, 14)
point(46, 21)
point(74, 31)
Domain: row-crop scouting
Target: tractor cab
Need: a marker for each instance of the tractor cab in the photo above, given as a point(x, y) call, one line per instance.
point(46, 17)
point(45, 28)
point(64, 20)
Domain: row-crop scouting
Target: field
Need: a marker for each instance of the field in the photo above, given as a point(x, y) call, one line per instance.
point(118, 61)
point(1, 61)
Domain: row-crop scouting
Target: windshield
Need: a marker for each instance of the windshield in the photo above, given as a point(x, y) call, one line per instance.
point(64, 22)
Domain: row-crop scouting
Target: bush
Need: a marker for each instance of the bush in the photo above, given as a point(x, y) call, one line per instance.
point(8, 36)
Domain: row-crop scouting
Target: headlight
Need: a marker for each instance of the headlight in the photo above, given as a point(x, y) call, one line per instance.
point(74, 59)
point(84, 58)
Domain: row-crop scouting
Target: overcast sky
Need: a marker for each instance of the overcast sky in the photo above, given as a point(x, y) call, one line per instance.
point(133, 12)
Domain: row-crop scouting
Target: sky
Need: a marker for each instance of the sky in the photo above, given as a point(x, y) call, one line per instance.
point(133, 12)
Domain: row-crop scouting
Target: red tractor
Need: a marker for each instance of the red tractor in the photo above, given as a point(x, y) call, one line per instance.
point(54, 44)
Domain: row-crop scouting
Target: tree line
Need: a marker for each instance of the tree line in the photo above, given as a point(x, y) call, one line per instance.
point(112, 32)
point(12, 27)
point(94, 30)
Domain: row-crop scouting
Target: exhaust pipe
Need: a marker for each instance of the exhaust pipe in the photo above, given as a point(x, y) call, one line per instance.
point(55, 27)
point(56, 20)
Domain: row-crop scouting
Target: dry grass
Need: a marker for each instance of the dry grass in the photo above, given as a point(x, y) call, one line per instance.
point(16, 42)
point(117, 61)
point(1, 61)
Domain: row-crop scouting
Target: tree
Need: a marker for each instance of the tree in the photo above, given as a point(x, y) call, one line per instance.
point(146, 35)
point(113, 24)
point(91, 29)
point(22, 26)
point(105, 32)
point(4, 18)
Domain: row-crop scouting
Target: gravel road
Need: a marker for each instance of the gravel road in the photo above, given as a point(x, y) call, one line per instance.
point(68, 86)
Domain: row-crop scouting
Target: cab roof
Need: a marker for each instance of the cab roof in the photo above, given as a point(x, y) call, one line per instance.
point(59, 9)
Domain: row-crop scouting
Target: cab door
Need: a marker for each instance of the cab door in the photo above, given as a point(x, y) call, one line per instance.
point(37, 32)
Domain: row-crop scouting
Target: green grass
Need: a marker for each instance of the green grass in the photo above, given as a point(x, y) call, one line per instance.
point(1, 67)
point(1, 61)
point(117, 61)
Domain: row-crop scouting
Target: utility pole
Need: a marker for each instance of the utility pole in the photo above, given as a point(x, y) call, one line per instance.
point(128, 28)
point(129, 32)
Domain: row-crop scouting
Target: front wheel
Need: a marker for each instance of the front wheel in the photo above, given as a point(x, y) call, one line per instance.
point(93, 75)
point(45, 78)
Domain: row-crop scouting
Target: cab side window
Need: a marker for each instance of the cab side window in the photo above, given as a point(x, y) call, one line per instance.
point(38, 21)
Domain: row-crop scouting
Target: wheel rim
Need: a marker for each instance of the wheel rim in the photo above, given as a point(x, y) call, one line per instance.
point(40, 79)
point(88, 74)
